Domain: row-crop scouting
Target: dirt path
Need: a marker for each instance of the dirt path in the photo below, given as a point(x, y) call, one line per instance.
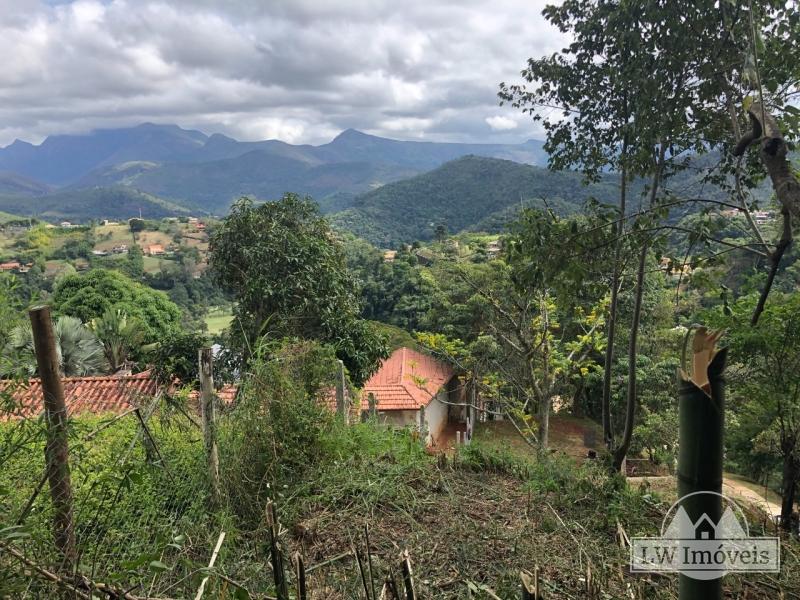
point(730, 487)
point(735, 489)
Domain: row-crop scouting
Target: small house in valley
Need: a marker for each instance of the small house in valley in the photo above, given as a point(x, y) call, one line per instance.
point(414, 389)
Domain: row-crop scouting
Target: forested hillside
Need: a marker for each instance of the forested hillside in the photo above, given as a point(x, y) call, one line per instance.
point(460, 195)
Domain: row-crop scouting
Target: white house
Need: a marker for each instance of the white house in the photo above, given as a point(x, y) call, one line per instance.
point(414, 389)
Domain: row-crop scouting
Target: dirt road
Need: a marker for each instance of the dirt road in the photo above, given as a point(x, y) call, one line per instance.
point(735, 490)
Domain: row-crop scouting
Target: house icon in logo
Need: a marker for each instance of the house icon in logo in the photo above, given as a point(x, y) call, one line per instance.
point(705, 529)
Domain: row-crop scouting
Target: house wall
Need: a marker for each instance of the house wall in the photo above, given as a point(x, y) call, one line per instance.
point(436, 417)
point(456, 393)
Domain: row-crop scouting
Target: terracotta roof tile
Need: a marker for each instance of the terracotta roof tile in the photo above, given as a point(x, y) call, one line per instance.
point(407, 380)
point(97, 395)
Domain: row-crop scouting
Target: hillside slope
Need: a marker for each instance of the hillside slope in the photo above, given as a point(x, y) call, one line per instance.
point(213, 185)
point(459, 195)
point(98, 203)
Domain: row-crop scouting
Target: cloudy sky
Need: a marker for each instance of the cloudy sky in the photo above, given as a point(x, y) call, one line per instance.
point(296, 70)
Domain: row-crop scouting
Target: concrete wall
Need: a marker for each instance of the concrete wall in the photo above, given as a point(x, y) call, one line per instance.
point(399, 418)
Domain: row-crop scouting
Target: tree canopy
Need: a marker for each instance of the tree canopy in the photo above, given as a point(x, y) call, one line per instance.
point(287, 270)
point(91, 295)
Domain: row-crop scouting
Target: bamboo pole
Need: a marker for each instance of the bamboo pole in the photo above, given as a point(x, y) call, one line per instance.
point(701, 412)
point(370, 568)
point(278, 573)
point(206, 366)
point(57, 447)
point(408, 576)
point(362, 572)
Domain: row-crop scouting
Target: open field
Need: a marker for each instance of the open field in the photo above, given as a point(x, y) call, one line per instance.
point(218, 319)
point(152, 264)
point(118, 234)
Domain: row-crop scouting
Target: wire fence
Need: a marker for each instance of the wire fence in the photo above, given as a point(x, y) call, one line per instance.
point(145, 514)
point(137, 484)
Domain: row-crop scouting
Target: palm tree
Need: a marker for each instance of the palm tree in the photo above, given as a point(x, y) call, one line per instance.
point(120, 336)
point(79, 351)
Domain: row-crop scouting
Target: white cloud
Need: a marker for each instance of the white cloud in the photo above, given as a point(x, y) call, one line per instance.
point(501, 123)
point(297, 70)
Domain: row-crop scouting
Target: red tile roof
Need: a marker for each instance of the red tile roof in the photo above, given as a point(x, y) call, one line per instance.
point(407, 380)
point(98, 395)
point(327, 398)
point(226, 395)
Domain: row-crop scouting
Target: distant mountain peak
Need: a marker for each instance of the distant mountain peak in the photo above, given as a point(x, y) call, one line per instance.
point(18, 143)
point(352, 134)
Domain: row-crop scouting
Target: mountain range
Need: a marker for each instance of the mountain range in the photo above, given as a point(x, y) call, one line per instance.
point(206, 173)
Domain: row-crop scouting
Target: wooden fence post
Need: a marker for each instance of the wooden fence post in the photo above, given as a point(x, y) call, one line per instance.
point(57, 448)
point(341, 400)
point(208, 412)
point(373, 405)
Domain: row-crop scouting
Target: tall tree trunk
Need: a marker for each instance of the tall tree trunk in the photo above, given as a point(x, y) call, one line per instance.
point(544, 421)
point(546, 397)
point(630, 412)
point(608, 434)
point(622, 449)
point(791, 474)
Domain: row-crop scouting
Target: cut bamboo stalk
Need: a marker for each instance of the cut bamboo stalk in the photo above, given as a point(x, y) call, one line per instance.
point(278, 573)
point(370, 569)
point(528, 586)
point(207, 409)
point(300, 574)
point(408, 576)
point(362, 572)
point(701, 412)
point(211, 562)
